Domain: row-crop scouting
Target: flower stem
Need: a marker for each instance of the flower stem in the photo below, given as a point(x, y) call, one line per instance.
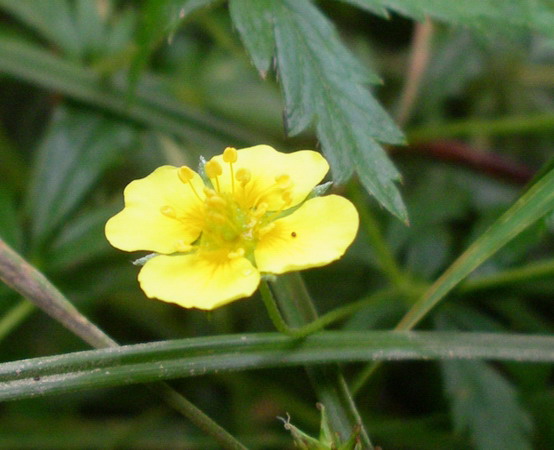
point(320, 322)
point(33, 285)
point(328, 381)
point(273, 309)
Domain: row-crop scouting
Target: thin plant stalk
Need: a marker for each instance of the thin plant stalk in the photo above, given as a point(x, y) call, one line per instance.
point(33, 285)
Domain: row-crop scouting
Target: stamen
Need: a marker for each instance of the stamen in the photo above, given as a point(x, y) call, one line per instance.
point(238, 253)
point(209, 192)
point(243, 176)
point(168, 211)
point(216, 201)
point(217, 218)
point(264, 230)
point(283, 181)
point(287, 198)
point(186, 174)
point(230, 156)
point(213, 170)
point(260, 210)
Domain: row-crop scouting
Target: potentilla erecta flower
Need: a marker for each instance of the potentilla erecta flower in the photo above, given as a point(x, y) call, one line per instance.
point(253, 215)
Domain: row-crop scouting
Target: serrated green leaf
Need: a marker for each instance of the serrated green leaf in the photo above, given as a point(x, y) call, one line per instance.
point(323, 84)
point(77, 147)
point(200, 356)
point(506, 16)
point(255, 26)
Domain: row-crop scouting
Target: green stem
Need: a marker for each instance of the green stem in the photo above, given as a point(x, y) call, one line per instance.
point(526, 273)
point(321, 322)
point(382, 250)
point(328, 381)
point(197, 417)
point(493, 127)
point(33, 285)
point(273, 310)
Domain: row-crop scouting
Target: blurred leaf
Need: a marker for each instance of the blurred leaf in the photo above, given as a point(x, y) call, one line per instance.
point(200, 356)
point(154, 106)
point(81, 239)
point(159, 18)
point(90, 25)
point(151, 30)
point(481, 14)
point(531, 206)
point(53, 20)
point(10, 228)
point(323, 84)
point(484, 402)
point(77, 147)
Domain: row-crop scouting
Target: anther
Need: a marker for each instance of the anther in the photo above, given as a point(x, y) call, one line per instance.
point(261, 210)
point(283, 181)
point(264, 230)
point(217, 217)
point(168, 211)
point(230, 155)
point(213, 169)
point(216, 201)
point(287, 197)
point(238, 253)
point(186, 174)
point(243, 176)
point(209, 192)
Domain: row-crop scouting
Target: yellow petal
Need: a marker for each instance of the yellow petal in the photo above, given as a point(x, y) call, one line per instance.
point(305, 168)
point(141, 225)
point(196, 281)
point(317, 233)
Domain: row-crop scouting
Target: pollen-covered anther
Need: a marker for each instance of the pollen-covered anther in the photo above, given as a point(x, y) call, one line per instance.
point(216, 201)
point(260, 210)
point(168, 211)
point(216, 217)
point(186, 174)
point(287, 197)
point(208, 192)
point(283, 181)
point(266, 229)
point(243, 176)
point(213, 169)
point(238, 253)
point(230, 155)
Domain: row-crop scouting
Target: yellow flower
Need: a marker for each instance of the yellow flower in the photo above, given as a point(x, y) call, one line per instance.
point(213, 239)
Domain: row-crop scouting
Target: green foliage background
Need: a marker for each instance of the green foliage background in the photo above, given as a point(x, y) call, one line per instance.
point(96, 93)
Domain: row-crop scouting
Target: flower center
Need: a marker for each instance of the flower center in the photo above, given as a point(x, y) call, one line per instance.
point(236, 214)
